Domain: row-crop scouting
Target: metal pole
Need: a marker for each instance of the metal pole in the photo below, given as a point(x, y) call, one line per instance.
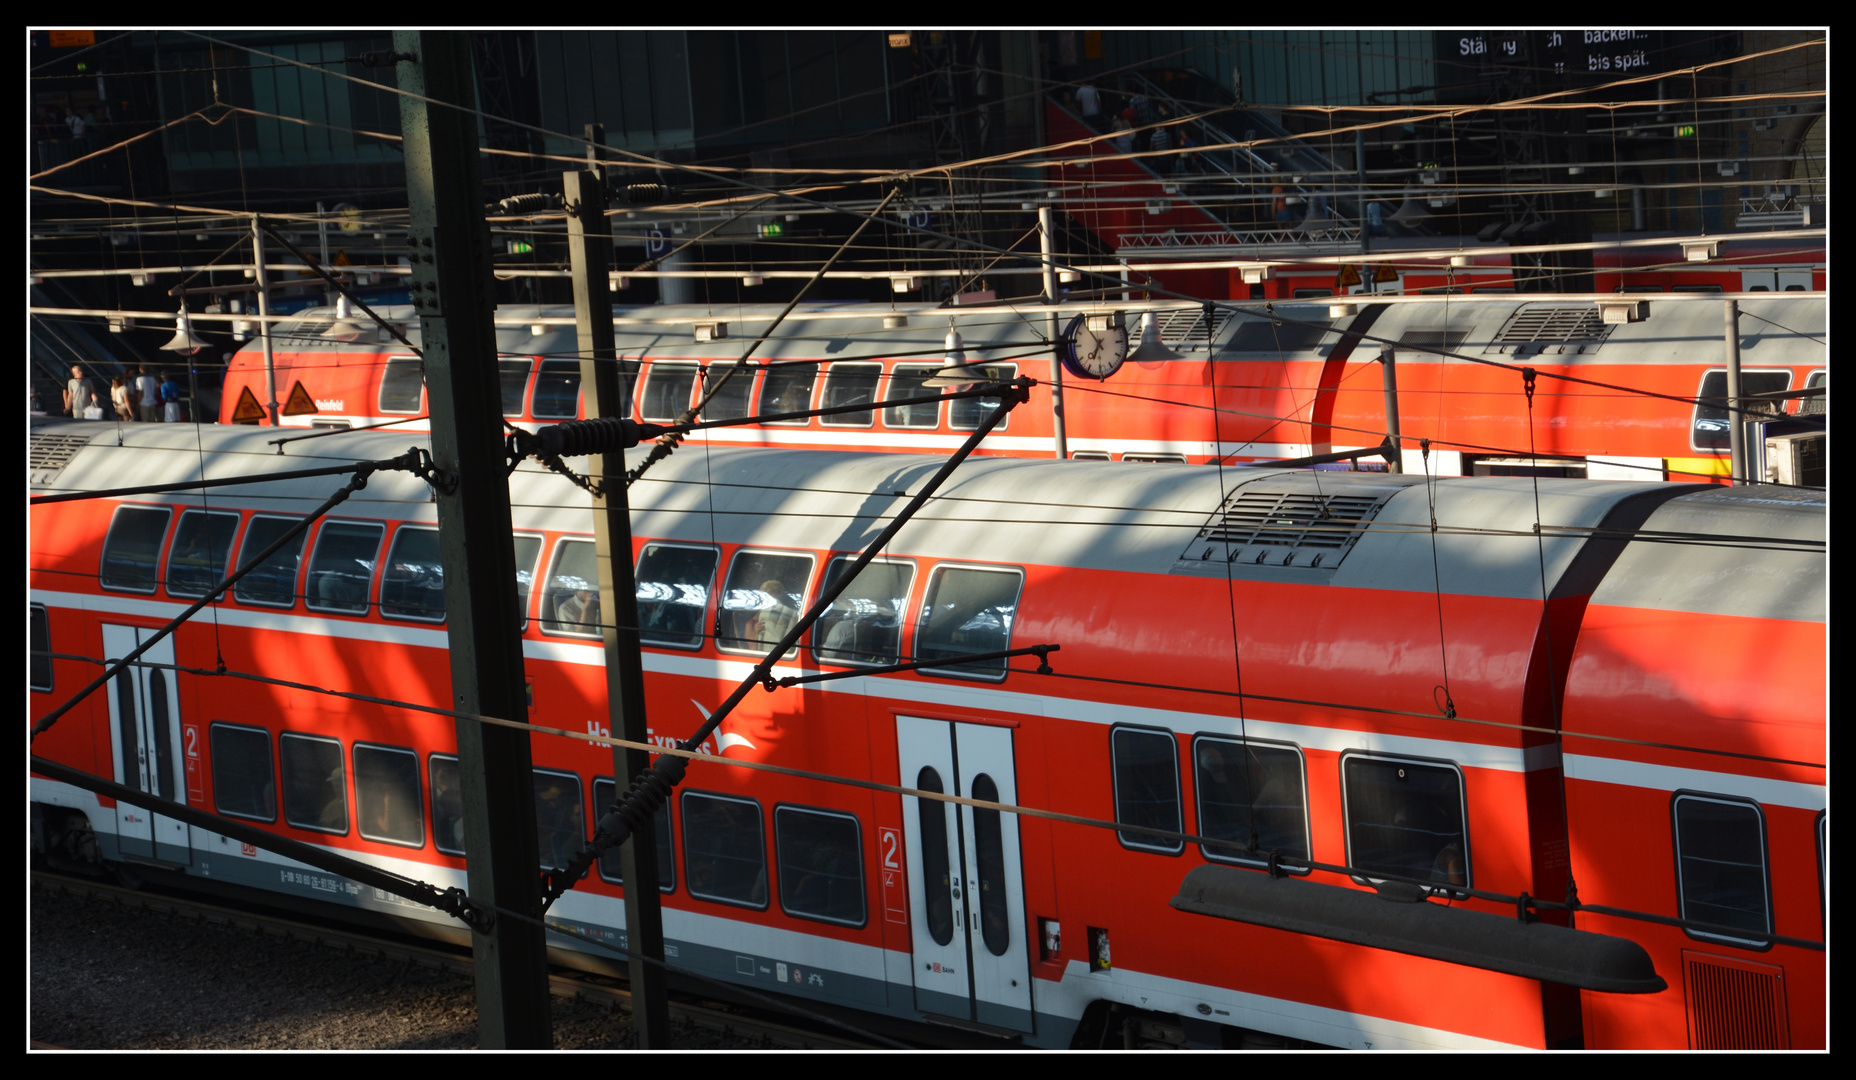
point(1045, 242)
point(264, 323)
point(1736, 430)
point(589, 248)
point(453, 293)
point(1388, 370)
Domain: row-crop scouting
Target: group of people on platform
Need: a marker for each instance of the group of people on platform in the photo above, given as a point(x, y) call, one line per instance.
point(137, 394)
point(1140, 126)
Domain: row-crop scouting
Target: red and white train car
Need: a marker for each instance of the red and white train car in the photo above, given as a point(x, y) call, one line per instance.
point(1246, 388)
point(1291, 655)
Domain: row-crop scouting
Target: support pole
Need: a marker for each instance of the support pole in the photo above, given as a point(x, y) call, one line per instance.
point(453, 293)
point(1388, 371)
point(1736, 429)
point(589, 248)
point(1045, 244)
point(264, 322)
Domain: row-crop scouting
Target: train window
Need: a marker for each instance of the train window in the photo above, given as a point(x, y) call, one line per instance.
point(386, 795)
point(132, 550)
point(1137, 458)
point(402, 385)
point(1089, 455)
point(1814, 406)
point(513, 377)
point(788, 389)
point(968, 611)
point(937, 884)
point(202, 550)
point(341, 569)
point(243, 783)
point(447, 804)
point(41, 648)
point(1146, 768)
point(1721, 866)
point(274, 581)
point(821, 864)
point(609, 868)
point(527, 549)
point(1405, 819)
point(907, 382)
point(413, 586)
point(761, 600)
point(1239, 793)
point(989, 849)
point(1710, 430)
point(966, 414)
point(673, 594)
point(1696, 288)
point(560, 822)
point(667, 390)
point(731, 396)
point(850, 384)
point(557, 390)
point(571, 603)
point(864, 624)
point(724, 849)
point(315, 782)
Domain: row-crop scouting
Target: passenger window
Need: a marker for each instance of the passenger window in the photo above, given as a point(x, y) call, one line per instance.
point(1239, 791)
point(937, 886)
point(667, 390)
point(821, 865)
point(386, 793)
point(315, 783)
point(989, 847)
point(731, 399)
point(1814, 406)
point(968, 612)
point(402, 385)
point(1710, 431)
point(850, 384)
point(788, 389)
point(1405, 819)
point(132, 550)
point(724, 849)
point(41, 648)
point(906, 382)
point(673, 594)
point(1721, 867)
point(965, 414)
point(571, 604)
point(864, 624)
point(341, 571)
point(528, 548)
point(609, 863)
point(243, 784)
point(560, 823)
point(1146, 766)
point(447, 804)
point(557, 390)
point(762, 600)
point(413, 586)
point(513, 377)
point(274, 581)
point(202, 550)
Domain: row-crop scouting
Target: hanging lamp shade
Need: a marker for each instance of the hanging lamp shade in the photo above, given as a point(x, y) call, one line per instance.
point(1153, 347)
point(958, 371)
point(184, 341)
point(346, 327)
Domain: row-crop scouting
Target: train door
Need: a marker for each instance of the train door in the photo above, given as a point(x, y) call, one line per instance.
point(145, 746)
point(967, 900)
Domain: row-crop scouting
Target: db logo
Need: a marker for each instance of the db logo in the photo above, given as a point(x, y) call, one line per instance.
point(248, 850)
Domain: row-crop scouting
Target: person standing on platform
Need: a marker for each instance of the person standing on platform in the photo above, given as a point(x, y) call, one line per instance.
point(148, 389)
point(119, 398)
point(170, 399)
point(77, 393)
point(1089, 104)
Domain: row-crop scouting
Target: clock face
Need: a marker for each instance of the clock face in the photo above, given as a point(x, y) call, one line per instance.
point(1094, 353)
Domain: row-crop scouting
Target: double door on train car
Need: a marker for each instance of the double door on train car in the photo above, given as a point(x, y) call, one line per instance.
point(145, 745)
point(966, 887)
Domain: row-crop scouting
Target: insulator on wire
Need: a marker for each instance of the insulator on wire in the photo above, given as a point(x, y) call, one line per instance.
point(525, 204)
point(649, 193)
point(577, 438)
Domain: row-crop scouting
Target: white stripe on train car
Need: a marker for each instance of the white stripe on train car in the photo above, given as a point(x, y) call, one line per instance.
point(1606, 770)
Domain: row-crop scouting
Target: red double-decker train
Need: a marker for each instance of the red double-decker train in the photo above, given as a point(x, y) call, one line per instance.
point(1488, 686)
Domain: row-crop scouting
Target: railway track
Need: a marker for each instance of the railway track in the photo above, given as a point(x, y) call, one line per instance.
point(729, 1024)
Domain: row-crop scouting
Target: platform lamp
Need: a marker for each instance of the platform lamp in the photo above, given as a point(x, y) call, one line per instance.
point(958, 372)
point(1153, 346)
point(183, 341)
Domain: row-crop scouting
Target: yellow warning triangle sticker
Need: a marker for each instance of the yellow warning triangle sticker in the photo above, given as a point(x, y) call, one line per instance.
point(300, 403)
point(1385, 272)
point(248, 411)
point(1349, 275)
point(341, 259)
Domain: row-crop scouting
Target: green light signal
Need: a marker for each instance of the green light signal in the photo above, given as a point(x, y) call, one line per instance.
point(1685, 131)
point(520, 247)
point(772, 229)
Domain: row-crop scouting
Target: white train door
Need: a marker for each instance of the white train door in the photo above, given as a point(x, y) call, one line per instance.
point(966, 888)
point(145, 745)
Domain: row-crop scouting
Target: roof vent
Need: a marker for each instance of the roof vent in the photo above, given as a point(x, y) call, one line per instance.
point(1274, 528)
point(51, 451)
point(1539, 326)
